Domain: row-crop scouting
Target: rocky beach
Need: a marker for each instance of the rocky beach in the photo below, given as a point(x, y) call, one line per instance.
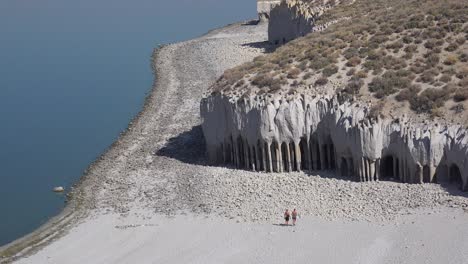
point(152, 198)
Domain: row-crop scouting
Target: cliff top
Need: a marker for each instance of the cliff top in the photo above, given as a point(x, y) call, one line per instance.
point(401, 60)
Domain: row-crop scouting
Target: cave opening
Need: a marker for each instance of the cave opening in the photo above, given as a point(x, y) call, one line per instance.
point(240, 152)
point(426, 174)
point(274, 156)
point(261, 159)
point(304, 151)
point(344, 167)
point(455, 176)
point(386, 168)
point(284, 152)
point(293, 161)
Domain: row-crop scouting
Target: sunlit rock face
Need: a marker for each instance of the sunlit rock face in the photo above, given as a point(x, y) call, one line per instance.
point(275, 133)
point(296, 18)
point(264, 7)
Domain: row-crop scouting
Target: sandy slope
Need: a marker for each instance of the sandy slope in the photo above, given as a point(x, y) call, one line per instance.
point(156, 169)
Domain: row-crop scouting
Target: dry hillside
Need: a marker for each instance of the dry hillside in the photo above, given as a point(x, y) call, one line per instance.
point(404, 55)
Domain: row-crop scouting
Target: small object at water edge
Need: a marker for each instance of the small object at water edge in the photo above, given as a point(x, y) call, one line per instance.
point(59, 189)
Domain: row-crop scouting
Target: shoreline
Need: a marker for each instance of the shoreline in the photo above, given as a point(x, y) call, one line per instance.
point(155, 169)
point(73, 211)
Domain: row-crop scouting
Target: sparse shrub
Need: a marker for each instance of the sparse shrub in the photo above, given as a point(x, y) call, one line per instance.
point(353, 62)
point(463, 83)
point(445, 78)
point(351, 52)
point(307, 76)
point(462, 73)
point(407, 39)
point(387, 84)
point(428, 100)
point(463, 57)
point(321, 81)
point(458, 108)
point(262, 80)
point(240, 83)
point(430, 43)
point(353, 86)
point(320, 63)
point(394, 63)
point(452, 47)
point(361, 74)
point(376, 111)
point(428, 76)
point(460, 95)
point(293, 73)
point(432, 59)
point(408, 93)
point(330, 70)
point(351, 72)
point(450, 60)
point(460, 41)
point(395, 46)
point(411, 48)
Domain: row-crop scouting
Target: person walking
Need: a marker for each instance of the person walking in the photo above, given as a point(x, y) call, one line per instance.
point(294, 216)
point(286, 217)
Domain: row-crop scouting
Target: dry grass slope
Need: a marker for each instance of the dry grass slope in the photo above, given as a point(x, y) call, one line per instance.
point(417, 55)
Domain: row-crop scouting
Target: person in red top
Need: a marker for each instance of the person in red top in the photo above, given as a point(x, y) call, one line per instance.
point(286, 217)
point(294, 216)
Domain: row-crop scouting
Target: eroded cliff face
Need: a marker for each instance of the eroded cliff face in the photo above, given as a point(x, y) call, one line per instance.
point(264, 7)
point(295, 18)
point(315, 132)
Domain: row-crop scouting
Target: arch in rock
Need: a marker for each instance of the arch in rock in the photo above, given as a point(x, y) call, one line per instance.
point(331, 149)
point(240, 152)
point(285, 156)
point(304, 151)
point(426, 174)
point(253, 159)
point(260, 156)
point(293, 157)
point(249, 157)
point(397, 169)
point(325, 157)
point(227, 154)
point(455, 176)
point(442, 174)
point(387, 170)
point(318, 158)
point(275, 156)
point(351, 167)
point(344, 167)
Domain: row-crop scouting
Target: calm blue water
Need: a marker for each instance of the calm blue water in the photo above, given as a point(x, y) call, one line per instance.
point(72, 75)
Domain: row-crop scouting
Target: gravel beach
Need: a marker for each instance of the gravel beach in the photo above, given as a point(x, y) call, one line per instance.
point(152, 199)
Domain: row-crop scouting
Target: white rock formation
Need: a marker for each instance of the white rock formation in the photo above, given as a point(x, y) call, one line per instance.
point(275, 133)
point(264, 7)
point(296, 18)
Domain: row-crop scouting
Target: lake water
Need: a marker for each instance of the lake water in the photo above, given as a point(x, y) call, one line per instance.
point(72, 75)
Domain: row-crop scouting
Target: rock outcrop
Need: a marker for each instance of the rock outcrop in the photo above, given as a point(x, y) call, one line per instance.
point(316, 132)
point(296, 18)
point(283, 130)
point(264, 7)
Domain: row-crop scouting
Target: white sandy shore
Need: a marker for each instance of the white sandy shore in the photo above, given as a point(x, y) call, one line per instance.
point(417, 238)
point(156, 169)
